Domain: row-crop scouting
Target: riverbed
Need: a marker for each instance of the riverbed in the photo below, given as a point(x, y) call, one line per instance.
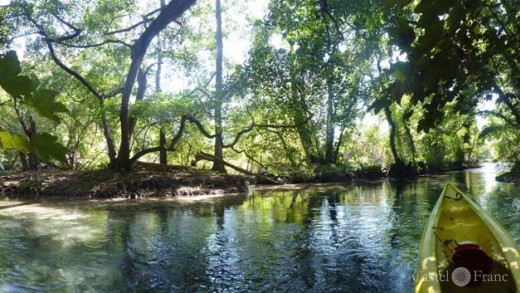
point(355, 237)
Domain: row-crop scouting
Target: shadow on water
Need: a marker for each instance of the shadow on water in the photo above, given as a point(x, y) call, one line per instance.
point(359, 237)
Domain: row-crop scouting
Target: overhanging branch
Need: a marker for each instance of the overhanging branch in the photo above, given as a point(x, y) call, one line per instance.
point(176, 138)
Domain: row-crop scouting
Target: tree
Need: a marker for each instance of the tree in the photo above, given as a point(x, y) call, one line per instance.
point(461, 51)
point(77, 37)
point(218, 164)
point(307, 68)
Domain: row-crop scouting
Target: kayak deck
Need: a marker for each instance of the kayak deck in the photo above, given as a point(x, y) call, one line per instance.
point(456, 219)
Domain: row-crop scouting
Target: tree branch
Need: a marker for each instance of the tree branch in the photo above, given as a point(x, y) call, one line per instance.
point(20, 119)
point(506, 98)
point(239, 134)
point(501, 116)
point(199, 125)
point(205, 85)
point(60, 64)
point(204, 156)
point(92, 45)
point(70, 25)
point(176, 138)
point(145, 20)
point(249, 157)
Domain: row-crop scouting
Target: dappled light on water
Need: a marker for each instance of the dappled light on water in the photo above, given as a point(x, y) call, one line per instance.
point(359, 237)
point(64, 226)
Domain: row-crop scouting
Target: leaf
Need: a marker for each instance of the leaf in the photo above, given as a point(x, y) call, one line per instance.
point(378, 105)
point(16, 142)
point(432, 116)
point(9, 65)
point(403, 3)
point(401, 71)
point(17, 85)
point(20, 143)
point(43, 102)
point(10, 80)
point(402, 35)
point(5, 139)
point(46, 147)
point(457, 15)
point(444, 6)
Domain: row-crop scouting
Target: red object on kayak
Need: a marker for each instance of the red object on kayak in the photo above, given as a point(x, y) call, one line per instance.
point(473, 258)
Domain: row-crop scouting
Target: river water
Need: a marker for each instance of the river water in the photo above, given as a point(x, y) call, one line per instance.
point(358, 237)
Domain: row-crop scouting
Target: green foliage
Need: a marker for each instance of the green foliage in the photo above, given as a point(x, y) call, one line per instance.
point(25, 88)
point(458, 52)
point(42, 101)
point(13, 141)
point(369, 172)
point(4, 31)
point(503, 140)
point(10, 80)
point(313, 69)
point(47, 148)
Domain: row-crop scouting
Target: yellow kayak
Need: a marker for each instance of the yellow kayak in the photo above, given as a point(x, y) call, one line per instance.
point(463, 249)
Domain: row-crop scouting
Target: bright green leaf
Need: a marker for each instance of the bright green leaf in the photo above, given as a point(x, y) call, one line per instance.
point(16, 142)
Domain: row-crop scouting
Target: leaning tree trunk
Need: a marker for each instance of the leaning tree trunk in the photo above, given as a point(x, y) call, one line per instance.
point(168, 14)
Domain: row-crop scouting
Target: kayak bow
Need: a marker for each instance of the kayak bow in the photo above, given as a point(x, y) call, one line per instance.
point(463, 249)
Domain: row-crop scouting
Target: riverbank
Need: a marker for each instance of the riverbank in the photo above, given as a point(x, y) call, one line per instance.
point(109, 184)
point(513, 176)
point(375, 172)
point(151, 180)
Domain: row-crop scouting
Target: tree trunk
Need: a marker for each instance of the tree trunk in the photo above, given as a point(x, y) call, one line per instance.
point(298, 105)
point(168, 14)
point(107, 133)
point(218, 164)
point(329, 140)
point(34, 161)
point(30, 131)
point(142, 83)
point(338, 144)
point(23, 160)
point(411, 142)
point(393, 130)
point(163, 154)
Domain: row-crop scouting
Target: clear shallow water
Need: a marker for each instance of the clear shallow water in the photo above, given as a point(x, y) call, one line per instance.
point(350, 238)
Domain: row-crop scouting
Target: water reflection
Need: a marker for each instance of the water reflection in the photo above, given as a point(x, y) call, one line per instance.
point(350, 238)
